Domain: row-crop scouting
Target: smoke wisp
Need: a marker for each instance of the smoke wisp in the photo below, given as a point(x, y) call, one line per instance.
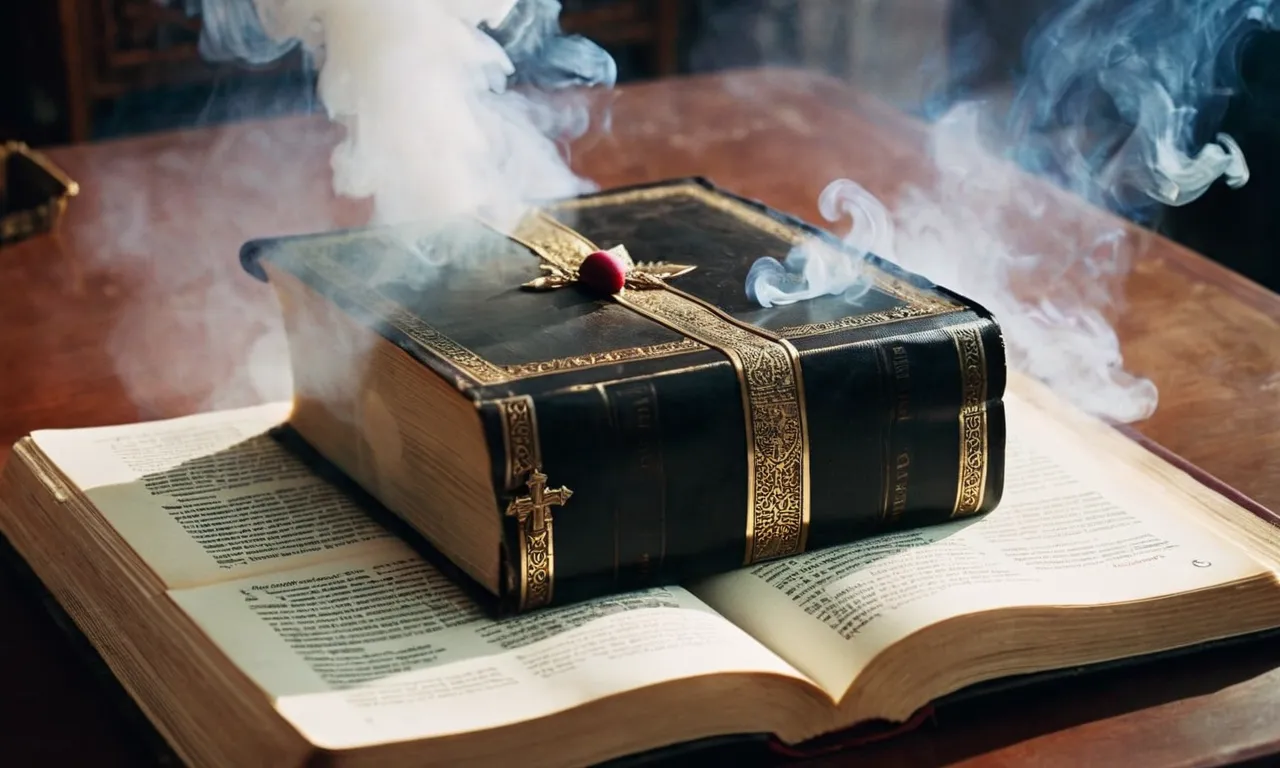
point(1121, 100)
point(1119, 104)
point(812, 269)
point(428, 93)
point(446, 108)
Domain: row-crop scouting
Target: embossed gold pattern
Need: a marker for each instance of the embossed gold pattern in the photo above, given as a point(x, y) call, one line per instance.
point(519, 437)
point(589, 360)
point(556, 243)
point(972, 481)
point(922, 306)
point(643, 275)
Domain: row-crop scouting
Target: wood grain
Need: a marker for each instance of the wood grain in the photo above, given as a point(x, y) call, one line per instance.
point(137, 308)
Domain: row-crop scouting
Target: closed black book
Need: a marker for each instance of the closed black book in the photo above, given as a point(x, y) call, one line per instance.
point(557, 441)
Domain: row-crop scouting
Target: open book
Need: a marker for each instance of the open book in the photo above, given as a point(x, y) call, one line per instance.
point(232, 590)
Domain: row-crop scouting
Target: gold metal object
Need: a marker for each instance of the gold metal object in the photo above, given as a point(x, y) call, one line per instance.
point(519, 438)
point(537, 544)
point(535, 574)
point(33, 192)
point(644, 275)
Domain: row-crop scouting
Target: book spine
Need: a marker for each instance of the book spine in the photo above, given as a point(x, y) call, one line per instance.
point(648, 481)
point(647, 476)
point(905, 431)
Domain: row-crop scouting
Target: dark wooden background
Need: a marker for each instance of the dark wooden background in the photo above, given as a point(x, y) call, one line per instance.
point(73, 70)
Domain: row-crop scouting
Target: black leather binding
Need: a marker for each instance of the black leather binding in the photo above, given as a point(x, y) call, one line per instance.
point(655, 448)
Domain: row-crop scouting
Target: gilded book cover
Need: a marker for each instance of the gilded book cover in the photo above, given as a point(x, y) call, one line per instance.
point(675, 428)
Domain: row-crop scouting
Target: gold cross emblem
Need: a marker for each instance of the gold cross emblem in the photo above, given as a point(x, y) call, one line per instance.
point(537, 547)
point(537, 505)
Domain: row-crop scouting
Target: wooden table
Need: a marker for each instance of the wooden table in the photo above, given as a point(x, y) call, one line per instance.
point(138, 309)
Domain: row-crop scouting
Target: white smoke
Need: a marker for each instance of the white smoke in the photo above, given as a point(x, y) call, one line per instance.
point(1110, 107)
point(434, 128)
point(1046, 266)
point(189, 331)
point(448, 107)
point(1119, 95)
point(812, 269)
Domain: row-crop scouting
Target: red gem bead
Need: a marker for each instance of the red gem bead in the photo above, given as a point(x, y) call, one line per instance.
point(602, 272)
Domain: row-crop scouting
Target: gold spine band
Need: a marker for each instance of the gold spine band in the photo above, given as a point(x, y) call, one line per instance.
point(532, 511)
point(769, 377)
point(520, 437)
point(971, 483)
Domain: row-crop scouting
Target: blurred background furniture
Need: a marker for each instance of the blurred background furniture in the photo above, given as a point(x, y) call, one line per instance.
point(86, 69)
point(90, 69)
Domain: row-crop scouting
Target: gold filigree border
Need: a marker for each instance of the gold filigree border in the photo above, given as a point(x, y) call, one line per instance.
point(972, 480)
point(925, 306)
point(519, 438)
point(590, 360)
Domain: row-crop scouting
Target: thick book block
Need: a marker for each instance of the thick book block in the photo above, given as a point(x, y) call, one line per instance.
point(599, 443)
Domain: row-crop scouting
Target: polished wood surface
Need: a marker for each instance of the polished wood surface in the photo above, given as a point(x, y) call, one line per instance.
point(137, 308)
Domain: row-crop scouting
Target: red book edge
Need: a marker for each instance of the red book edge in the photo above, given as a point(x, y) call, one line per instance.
point(869, 733)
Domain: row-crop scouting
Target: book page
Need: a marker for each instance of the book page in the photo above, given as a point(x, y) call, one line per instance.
point(386, 647)
point(212, 496)
point(1074, 528)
